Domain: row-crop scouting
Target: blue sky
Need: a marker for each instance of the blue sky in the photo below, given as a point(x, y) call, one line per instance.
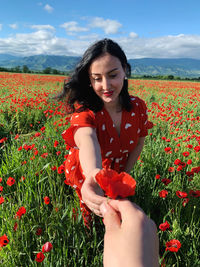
point(144, 28)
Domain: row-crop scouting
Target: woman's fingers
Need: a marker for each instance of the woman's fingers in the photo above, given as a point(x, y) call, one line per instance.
point(92, 195)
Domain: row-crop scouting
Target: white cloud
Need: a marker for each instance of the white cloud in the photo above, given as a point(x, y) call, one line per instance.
point(1, 26)
point(48, 8)
point(13, 26)
point(133, 35)
point(72, 27)
point(43, 40)
point(187, 46)
point(43, 27)
point(107, 25)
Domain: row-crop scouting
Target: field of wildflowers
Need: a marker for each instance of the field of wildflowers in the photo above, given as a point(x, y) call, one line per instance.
point(40, 220)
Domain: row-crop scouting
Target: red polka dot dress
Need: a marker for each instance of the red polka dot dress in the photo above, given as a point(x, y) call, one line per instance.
point(115, 148)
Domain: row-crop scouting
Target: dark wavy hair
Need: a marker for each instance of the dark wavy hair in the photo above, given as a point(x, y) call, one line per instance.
point(78, 89)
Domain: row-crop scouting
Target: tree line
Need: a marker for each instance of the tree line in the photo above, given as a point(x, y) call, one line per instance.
point(49, 70)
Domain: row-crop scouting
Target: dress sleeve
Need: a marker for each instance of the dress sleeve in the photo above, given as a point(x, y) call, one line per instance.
point(145, 124)
point(82, 119)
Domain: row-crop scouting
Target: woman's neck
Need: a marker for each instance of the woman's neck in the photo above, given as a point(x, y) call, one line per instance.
point(113, 107)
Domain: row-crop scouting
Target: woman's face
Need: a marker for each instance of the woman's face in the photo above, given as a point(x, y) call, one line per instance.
point(107, 78)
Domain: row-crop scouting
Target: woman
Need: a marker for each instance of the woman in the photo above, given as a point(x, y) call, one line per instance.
point(108, 126)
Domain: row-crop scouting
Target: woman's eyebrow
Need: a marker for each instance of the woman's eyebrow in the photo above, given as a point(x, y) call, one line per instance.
point(100, 74)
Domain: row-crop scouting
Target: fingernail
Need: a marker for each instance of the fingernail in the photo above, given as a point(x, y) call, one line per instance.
point(103, 208)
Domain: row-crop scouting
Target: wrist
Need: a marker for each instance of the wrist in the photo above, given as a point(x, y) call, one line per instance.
point(93, 173)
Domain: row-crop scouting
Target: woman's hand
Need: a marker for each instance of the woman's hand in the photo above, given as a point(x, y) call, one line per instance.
point(92, 194)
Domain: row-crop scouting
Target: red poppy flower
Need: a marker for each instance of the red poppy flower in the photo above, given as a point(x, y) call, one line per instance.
point(164, 226)
point(47, 247)
point(173, 245)
point(1, 179)
point(40, 257)
point(10, 181)
point(157, 176)
point(116, 184)
point(1, 189)
point(61, 169)
point(186, 154)
point(177, 161)
point(15, 227)
point(4, 241)
point(46, 200)
point(166, 181)
point(181, 194)
point(195, 193)
point(56, 143)
point(163, 193)
point(38, 231)
point(185, 201)
point(21, 211)
point(1, 200)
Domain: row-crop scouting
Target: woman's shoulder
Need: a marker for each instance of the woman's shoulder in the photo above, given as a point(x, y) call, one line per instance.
point(137, 102)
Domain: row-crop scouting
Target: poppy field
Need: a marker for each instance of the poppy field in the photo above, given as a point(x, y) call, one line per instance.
point(40, 218)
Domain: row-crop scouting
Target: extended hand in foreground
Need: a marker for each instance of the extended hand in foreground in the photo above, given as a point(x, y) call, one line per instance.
point(130, 239)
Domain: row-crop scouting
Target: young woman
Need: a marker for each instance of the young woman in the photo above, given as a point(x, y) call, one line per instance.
point(108, 126)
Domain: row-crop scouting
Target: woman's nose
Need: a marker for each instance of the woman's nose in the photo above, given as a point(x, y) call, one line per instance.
point(106, 83)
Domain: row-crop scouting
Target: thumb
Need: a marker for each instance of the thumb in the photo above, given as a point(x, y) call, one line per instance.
point(111, 218)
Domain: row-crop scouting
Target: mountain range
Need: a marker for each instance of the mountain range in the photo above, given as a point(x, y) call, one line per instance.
point(182, 67)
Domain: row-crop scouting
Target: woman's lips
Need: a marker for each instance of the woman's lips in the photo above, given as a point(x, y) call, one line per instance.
point(108, 93)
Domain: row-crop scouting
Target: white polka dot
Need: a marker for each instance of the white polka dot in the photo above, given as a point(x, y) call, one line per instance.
point(103, 127)
point(128, 125)
point(80, 181)
point(70, 152)
point(108, 153)
point(125, 151)
point(67, 171)
point(111, 139)
point(133, 114)
point(138, 131)
point(132, 98)
point(136, 104)
point(73, 167)
point(131, 142)
point(113, 125)
point(117, 160)
point(74, 186)
point(102, 113)
point(76, 116)
point(145, 122)
point(142, 114)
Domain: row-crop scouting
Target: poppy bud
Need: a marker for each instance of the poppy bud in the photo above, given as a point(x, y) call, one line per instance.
point(47, 247)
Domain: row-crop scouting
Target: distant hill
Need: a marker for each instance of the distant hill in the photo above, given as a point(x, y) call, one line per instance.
point(182, 67)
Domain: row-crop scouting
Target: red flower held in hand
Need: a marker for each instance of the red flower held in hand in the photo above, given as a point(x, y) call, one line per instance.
point(116, 184)
point(3, 241)
point(173, 245)
point(47, 247)
point(40, 257)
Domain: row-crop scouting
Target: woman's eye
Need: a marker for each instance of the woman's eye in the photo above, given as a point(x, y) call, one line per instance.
point(113, 76)
point(96, 78)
